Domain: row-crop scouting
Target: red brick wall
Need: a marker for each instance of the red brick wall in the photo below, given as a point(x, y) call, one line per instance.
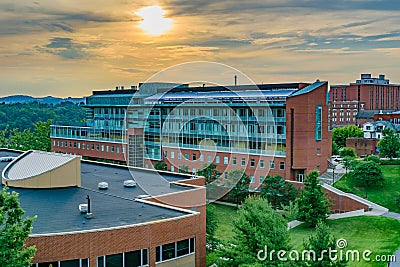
point(93, 244)
point(305, 146)
point(362, 146)
point(341, 202)
point(89, 152)
point(221, 167)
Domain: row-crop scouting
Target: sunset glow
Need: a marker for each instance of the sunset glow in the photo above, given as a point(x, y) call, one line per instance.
point(153, 21)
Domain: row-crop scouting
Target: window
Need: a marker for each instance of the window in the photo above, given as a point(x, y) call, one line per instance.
point(67, 263)
point(97, 147)
point(209, 159)
point(261, 179)
point(201, 157)
point(83, 145)
point(186, 156)
point(172, 154)
point(261, 163)
point(79, 145)
point(217, 160)
point(226, 160)
point(127, 259)
point(107, 148)
point(252, 162)
point(252, 179)
point(117, 149)
point(243, 161)
point(172, 168)
point(92, 146)
point(165, 154)
point(280, 129)
point(102, 147)
point(179, 155)
point(112, 148)
point(233, 160)
point(174, 250)
point(272, 165)
point(282, 165)
point(318, 151)
point(194, 156)
point(318, 123)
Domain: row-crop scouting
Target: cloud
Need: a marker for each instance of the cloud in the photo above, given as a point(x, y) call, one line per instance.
point(64, 47)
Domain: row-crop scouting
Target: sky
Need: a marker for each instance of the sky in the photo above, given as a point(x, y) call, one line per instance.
point(69, 48)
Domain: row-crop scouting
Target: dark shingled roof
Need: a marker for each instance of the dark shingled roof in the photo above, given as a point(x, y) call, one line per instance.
point(57, 209)
point(368, 114)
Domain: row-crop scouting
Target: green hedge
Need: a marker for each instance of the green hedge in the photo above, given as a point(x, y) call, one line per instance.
point(390, 162)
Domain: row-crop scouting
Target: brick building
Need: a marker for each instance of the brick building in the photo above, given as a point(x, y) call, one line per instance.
point(367, 93)
point(263, 129)
point(124, 227)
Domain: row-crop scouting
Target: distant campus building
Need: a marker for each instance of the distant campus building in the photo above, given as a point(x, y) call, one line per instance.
point(124, 227)
point(264, 129)
point(356, 103)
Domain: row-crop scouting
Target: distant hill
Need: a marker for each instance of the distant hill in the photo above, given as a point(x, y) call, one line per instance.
point(45, 100)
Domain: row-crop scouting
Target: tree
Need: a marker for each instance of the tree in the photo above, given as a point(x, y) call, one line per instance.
point(160, 165)
point(373, 158)
point(347, 161)
point(335, 148)
point(322, 240)
point(339, 135)
point(347, 152)
point(41, 136)
point(13, 232)
point(183, 169)
point(366, 173)
point(313, 205)
point(211, 226)
point(389, 146)
point(239, 183)
point(256, 226)
point(209, 172)
point(278, 191)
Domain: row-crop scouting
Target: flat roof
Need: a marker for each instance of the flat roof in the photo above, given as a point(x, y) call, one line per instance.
point(221, 95)
point(57, 209)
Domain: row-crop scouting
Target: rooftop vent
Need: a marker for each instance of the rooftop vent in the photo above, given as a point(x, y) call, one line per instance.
point(83, 208)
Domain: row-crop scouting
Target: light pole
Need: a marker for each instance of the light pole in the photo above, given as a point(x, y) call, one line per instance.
point(333, 175)
point(366, 188)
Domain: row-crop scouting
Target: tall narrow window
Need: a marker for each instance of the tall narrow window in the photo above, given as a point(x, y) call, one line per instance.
point(318, 123)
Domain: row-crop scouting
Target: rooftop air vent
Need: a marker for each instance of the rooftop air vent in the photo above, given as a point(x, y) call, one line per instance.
point(103, 185)
point(83, 208)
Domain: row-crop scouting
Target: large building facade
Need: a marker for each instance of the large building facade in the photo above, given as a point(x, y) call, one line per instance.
point(367, 93)
point(262, 129)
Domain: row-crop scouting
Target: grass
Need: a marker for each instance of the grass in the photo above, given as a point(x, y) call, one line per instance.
point(381, 235)
point(384, 195)
point(225, 215)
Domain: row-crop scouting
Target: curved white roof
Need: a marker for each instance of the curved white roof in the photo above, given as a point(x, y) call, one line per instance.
point(33, 163)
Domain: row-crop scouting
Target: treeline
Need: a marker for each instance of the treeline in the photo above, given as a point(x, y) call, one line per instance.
point(24, 116)
point(27, 126)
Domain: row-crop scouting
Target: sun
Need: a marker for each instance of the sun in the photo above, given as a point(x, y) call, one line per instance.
point(153, 21)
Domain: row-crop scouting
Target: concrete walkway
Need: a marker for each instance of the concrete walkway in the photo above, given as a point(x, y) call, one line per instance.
point(396, 216)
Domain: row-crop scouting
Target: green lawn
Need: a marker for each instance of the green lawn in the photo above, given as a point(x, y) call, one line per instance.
point(225, 216)
point(383, 195)
point(381, 235)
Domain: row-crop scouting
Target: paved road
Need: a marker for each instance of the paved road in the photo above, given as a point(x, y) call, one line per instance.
point(397, 254)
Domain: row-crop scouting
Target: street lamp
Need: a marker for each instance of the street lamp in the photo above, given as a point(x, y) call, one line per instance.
point(333, 175)
point(366, 188)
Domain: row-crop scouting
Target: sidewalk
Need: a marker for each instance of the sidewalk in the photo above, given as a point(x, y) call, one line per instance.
point(396, 216)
